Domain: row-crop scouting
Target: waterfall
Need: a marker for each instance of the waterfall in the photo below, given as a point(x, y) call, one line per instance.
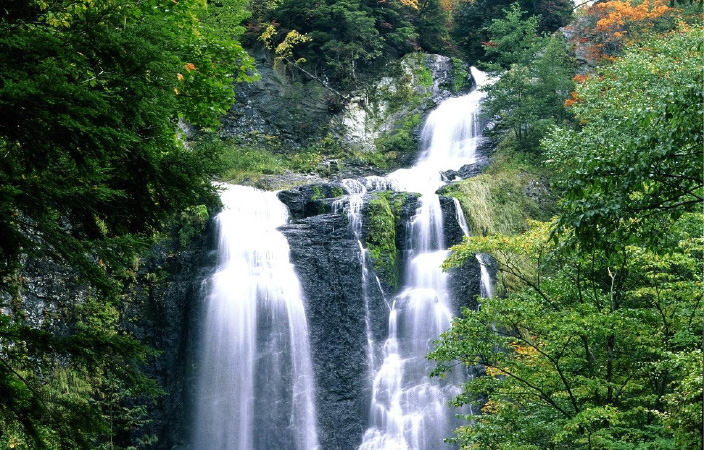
point(255, 378)
point(352, 204)
point(409, 410)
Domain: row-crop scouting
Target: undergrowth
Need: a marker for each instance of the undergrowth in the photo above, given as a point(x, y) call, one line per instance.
point(511, 190)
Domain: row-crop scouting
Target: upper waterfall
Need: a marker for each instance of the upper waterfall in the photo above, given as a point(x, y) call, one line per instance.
point(409, 410)
point(449, 140)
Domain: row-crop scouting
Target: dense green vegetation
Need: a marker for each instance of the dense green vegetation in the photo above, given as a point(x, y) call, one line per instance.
point(349, 38)
point(594, 338)
point(471, 21)
point(92, 168)
point(529, 95)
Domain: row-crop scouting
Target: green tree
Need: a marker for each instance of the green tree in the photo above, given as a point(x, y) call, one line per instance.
point(595, 339)
point(431, 24)
point(581, 352)
point(471, 19)
point(528, 97)
point(513, 39)
point(348, 37)
point(91, 167)
point(635, 162)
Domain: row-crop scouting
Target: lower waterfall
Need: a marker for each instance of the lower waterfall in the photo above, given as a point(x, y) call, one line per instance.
point(255, 386)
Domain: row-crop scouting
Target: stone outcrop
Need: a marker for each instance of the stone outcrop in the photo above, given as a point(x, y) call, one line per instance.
point(280, 111)
point(419, 83)
point(326, 257)
point(276, 110)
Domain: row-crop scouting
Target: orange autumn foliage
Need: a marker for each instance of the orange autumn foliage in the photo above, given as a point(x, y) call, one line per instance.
point(616, 15)
point(616, 22)
point(572, 100)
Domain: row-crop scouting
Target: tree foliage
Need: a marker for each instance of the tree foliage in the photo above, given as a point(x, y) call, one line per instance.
point(595, 339)
point(471, 21)
point(91, 167)
point(347, 36)
point(609, 26)
point(534, 80)
point(581, 353)
point(635, 162)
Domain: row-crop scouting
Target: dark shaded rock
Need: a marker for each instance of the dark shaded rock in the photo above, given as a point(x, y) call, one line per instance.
point(465, 285)
point(50, 292)
point(402, 219)
point(464, 281)
point(311, 200)
point(466, 171)
point(403, 230)
point(484, 150)
point(327, 260)
point(166, 316)
point(451, 227)
point(275, 109)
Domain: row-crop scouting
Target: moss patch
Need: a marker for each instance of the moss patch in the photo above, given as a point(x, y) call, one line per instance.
point(511, 190)
point(460, 76)
point(395, 147)
point(384, 212)
point(424, 77)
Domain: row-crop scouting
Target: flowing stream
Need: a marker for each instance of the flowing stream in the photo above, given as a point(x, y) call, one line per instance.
point(255, 382)
point(409, 410)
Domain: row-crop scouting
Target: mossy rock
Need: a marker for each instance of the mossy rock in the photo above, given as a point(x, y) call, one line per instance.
point(384, 217)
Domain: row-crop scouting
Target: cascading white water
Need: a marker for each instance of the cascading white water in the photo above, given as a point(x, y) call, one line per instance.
point(255, 379)
point(352, 204)
point(409, 410)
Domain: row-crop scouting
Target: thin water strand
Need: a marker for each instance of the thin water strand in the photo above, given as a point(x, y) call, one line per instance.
point(485, 287)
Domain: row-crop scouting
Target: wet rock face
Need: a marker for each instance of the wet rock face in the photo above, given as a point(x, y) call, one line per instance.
point(465, 285)
point(276, 111)
point(311, 200)
point(48, 295)
point(484, 149)
point(326, 257)
point(451, 227)
point(273, 108)
point(167, 314)
point(421, 81)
